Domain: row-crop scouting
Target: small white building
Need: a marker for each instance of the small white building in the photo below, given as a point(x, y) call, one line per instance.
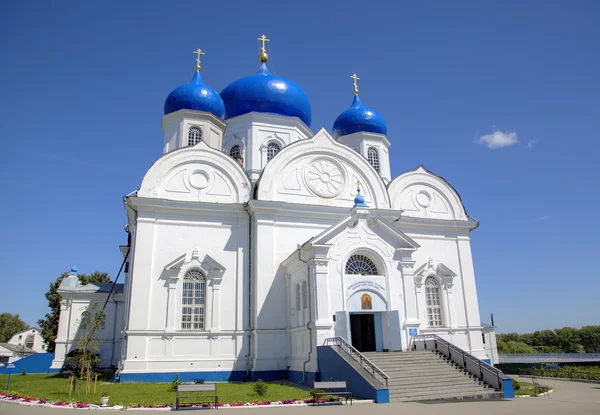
point(10, 353)
point(253, 238)
point(30, 339)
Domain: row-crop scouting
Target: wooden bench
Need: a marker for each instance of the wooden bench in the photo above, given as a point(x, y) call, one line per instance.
point(197, 393)
point(332, 388)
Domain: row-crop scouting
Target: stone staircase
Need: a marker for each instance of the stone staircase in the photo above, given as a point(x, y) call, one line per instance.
point(427, 376)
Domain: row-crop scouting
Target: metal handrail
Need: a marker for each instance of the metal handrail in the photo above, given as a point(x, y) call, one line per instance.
point(465, 355)
point(352, 352)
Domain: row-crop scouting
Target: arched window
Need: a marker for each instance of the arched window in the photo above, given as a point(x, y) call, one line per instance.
point(194, 136)
point(272, 150)
point(366, 302)
point(193, 300)
point(434, 302)
point(360, 265)
point(298, 297)
point(236, 151)
point(373, 157)
point(304, 295)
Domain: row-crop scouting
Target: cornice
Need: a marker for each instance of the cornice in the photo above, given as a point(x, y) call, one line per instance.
point(270, 120)
point(183, 113)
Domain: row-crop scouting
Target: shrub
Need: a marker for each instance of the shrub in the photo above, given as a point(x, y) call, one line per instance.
point(315, 393)
point(516, 385)
point(174, 383)
point(260, 387)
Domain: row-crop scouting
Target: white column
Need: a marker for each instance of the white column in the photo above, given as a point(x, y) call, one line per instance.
point(410, 293)
point(216, 289)
point(449, 312)
point(319, 274)
point(172, 302)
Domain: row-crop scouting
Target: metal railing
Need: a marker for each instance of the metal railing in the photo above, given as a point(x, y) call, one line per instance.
point(357, 356)
point(476, 367)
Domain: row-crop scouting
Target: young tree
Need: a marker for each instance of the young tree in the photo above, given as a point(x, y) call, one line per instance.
point(10, 324)
point(88, 345)
point(49, 324)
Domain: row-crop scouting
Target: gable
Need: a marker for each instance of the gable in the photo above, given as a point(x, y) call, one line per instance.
point(196, 174)
point(420, 193)
point(321, 171)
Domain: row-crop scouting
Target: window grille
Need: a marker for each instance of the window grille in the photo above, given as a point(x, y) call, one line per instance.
point(373, 157)
point(194, 136)
point(360, 265)
point(272, 150)
point(235, 151)
point(434, 303)
point(193, 300)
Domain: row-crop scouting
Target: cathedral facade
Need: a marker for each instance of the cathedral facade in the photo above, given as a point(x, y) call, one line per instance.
point(253, 239)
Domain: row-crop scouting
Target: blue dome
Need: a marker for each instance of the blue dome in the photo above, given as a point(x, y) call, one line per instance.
point(195, 96)
point(358, 118)
point(359, 200)
point(264, 92)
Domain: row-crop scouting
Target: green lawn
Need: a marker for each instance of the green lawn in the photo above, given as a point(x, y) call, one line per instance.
point(526, 389)
point(54, 387)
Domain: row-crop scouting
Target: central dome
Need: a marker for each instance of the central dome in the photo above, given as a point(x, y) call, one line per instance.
point(268, 93)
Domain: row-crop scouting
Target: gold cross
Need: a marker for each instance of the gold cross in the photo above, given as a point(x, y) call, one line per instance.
point(358, 184)
point(264, 39)
point(198, 52)
point(356, 78)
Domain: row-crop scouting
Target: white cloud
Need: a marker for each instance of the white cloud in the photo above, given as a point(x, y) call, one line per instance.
point(543, 218)
point(531, 143)
point(499, 139)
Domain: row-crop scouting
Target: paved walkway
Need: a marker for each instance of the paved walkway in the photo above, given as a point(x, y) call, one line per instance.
point(567, 398)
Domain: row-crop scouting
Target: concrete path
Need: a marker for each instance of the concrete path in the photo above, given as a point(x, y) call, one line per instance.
point(567, 398)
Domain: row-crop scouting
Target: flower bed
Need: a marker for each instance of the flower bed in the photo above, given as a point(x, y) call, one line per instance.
point(19, 398)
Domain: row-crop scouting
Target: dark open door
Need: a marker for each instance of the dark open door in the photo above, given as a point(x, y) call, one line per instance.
point(362, 327)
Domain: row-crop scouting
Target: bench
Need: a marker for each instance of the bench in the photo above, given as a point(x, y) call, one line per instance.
point(197, 393)
point(332, 388)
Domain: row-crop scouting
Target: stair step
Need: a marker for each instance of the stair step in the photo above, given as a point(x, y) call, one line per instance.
point(452, 387)
point(449, 396)
point(399, 383)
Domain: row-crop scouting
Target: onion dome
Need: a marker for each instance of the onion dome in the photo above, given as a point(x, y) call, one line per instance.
point(359, 200)
point(195, 96)
point(358, 118)
point(268, 93)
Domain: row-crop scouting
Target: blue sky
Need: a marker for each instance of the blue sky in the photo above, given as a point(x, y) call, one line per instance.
point(83, 85)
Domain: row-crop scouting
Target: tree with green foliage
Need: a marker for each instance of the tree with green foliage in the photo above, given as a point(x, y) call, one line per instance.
point(49, 324)
point(565, 340)
point(514, 347)
point(10, 324)
point(590, 338)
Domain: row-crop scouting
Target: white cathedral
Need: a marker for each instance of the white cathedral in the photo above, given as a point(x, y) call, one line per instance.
point(253, 239)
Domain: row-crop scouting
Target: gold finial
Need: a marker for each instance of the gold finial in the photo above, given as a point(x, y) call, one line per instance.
point(356, 78)
point(263, 55)
point(358, 184)
point(198, 52)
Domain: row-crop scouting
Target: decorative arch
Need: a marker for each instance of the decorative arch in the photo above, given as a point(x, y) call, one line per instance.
point(420, 193)
point(359, 299)
point(359, 264)
point(196, 174)
point(321, 168)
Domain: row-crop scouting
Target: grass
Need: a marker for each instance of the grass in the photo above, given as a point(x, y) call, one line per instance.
point(527, 389)
point(54, 387)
